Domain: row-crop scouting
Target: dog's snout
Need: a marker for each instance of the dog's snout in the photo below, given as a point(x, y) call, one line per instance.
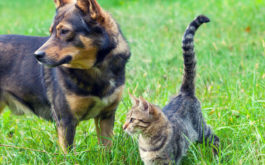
point(39, 54)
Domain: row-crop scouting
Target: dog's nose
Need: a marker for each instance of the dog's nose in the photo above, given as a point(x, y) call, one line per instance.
point(39, 54)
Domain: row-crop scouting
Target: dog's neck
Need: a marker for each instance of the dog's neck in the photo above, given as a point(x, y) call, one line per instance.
point(84, 82)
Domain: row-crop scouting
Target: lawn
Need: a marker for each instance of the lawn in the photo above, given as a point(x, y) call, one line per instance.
point(230, 79)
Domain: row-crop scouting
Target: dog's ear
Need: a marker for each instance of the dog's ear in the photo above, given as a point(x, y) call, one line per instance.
point(60, 3)
point(92, 9)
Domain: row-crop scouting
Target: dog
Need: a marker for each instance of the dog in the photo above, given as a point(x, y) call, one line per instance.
point(75, 74)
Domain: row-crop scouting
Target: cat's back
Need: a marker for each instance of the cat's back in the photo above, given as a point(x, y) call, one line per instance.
point(183, 112)
point(181, 106)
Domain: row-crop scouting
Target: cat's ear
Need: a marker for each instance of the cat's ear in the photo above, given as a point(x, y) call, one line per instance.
point(146, 106)
point(134, 100)
point(59, 3)
point(91, 8)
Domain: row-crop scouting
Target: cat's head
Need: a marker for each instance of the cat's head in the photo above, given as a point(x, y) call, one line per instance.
point(141, 116)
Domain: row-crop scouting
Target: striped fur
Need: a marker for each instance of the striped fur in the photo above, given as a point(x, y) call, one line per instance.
point(188, 86)
point(165, 135)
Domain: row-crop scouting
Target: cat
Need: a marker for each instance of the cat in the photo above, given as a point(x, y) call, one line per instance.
point(165, 135)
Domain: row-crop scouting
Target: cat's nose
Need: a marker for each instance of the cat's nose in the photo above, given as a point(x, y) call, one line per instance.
point(125, 126)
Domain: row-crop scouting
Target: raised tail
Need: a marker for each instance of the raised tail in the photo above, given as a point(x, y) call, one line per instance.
point(188, 85)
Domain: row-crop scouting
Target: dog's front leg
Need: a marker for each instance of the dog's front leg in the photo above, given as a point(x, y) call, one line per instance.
point(104, 126)
point(2, 107)
point(66, 133)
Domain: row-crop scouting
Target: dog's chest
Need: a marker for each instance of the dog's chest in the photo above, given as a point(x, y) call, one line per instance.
point(86, 107)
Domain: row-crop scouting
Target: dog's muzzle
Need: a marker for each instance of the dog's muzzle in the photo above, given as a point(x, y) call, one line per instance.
point(40, 56)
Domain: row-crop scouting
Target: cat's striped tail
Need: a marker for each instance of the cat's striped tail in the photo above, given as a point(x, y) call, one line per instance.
point(188, 85)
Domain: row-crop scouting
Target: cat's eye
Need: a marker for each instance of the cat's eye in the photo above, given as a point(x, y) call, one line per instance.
point(146, 122)
point(131, 120)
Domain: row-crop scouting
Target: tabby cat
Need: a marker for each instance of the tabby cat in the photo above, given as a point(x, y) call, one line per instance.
point(166, 135)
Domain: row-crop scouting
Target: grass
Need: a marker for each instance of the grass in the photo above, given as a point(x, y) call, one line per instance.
point(230, 79)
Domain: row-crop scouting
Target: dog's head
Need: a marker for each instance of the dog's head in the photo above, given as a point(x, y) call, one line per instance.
point(80, 36)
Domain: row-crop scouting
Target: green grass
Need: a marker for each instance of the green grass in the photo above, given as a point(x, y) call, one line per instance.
point(230, 79)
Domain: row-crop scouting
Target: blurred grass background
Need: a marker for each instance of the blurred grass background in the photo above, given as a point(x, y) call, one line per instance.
point(230, 79)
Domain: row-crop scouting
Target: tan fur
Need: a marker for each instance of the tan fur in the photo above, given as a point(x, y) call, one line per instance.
point(79, 105)
point(2, 107)
point(115, 103)
point(62, 139)
point(16, 106)
point(93, 106)
point(92, 8)
point(63, 25)
point(143, 141)
point(136, 113)
point(83, 58)
point(156, 126)
point(50, 29)
point(110, 24)
point(97, 125)
point(121, 47)
point(104, 130)
point(59, 3)
point(99, 14)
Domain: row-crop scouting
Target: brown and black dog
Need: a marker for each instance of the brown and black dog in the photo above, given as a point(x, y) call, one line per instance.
point(75, 74)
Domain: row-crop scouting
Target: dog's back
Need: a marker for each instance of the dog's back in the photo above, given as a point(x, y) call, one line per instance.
point(21, 85)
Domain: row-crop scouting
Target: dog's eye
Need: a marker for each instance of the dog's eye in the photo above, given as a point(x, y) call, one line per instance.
point(64, 31)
